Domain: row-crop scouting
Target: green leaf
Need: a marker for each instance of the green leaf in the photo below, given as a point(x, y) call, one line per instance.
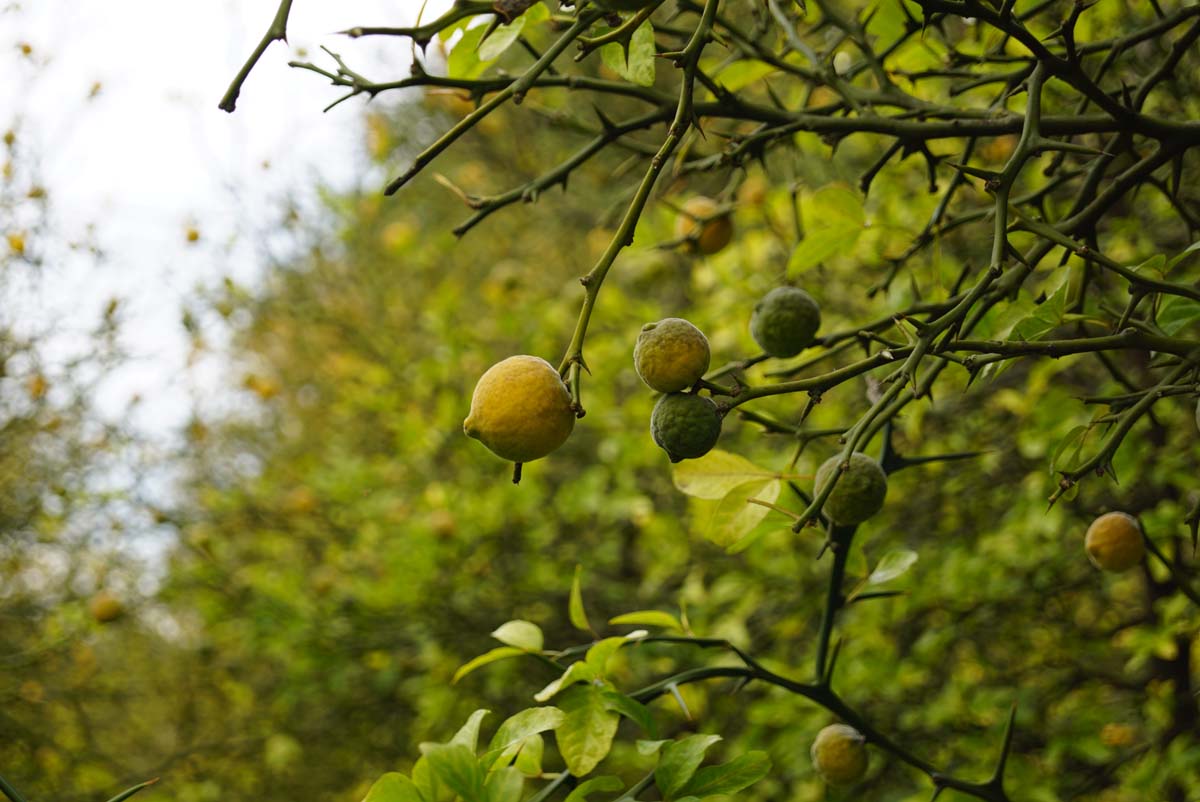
point(738, 74)
point(678, 761)
point(1177, 313)
point(575, 610)
point(835, 220)
point(893, 564)
point(648, 748)
point(468, 734)
point(499, 653)
point(1155, 264)
point(639, 67)
point(393, 787)
point(631, 709)
point(456, 766)
point(647, 618)
point(512, 733)
point(729, 778)
point(1045, 317)
point(601, 653)
point(1073, 438)
point(500, 40)
point(426, 780)
point(128, 792)
point(716, 473)
point(521, 635)
point(1184, 254)
point(529, 758)
point(587, 733)
point(504, 785)
point(735, 516)
point(604, 784)
point(579, 671)
point(464, 61)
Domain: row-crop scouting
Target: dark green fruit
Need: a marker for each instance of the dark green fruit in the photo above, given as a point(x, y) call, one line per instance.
point(785, 321)
point(858, 494)
point(685, 426)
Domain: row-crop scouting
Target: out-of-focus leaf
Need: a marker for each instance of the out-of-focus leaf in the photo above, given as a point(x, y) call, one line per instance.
point(892, 565)
point(1177, 313)
point(735, 516)
point(521, 635)
point(716, 473)
point(499, 653)
point(575, 610)
point(647, 618)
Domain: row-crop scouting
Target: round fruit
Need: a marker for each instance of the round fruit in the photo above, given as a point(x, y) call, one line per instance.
point(685, 426)
point(704, 230)
point(839, 754)
point(521, 409)
point(671, 355)
point(105, 607)
point(859, 492)
point(1114, 542)
point(785, 321)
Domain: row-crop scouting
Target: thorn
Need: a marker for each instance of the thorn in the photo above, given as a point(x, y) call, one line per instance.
point(1005, 747)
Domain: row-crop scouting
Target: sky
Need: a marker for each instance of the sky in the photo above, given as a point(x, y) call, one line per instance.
point(115, 108)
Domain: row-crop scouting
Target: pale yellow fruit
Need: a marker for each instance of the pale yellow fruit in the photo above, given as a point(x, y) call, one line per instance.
point(521, 409)
point(671, 355)
point(839, 754)
point(1114, 542)
point(105, 607)
point(705, 230)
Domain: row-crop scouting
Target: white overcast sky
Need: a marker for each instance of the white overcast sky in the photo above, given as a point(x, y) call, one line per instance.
point(152, 154)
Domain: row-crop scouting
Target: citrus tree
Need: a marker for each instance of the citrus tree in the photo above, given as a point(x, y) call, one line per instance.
point(1039, 304)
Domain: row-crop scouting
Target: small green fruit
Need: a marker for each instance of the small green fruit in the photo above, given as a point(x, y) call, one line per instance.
point(859, 492)
point(1114, 542)
point(671, 355)
point(685, 426)
point(839, 755)
point(785, 321)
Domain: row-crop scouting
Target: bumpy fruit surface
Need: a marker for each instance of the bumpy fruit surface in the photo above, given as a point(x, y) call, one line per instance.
point(685, 426)
point(521, 409)
point(671, 355)
point(1114, 542)
point(700, 215)
point(859, 492)
point(785, 321)
point(840, 755)
point(105, 607)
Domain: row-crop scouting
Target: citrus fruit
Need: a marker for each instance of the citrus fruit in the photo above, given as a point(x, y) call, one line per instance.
point(105, 607)
point(685, 426)
point(521, 409)
point(671, 355)
point(785, 321)
point(839, 754)
point(859, 492)
point(1114, 542)
point(702, 227)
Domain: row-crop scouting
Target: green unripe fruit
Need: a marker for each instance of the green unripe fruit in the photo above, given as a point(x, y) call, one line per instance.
point(859, 492)
point(671, 355)
point(785, 321)
point(685, 426)
point(1114, 542)
point(839, 755)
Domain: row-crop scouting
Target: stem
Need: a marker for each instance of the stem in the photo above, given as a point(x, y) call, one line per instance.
point(276, 32)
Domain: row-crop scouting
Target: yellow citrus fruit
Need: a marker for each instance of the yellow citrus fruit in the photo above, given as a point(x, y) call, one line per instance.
point(1114, 542)
point(671, 355)
point(105, 607)
point(705, 230)
point(839, 754)
point(521, 409)
point(858, 494)
point(785, 321)
point(685, 426)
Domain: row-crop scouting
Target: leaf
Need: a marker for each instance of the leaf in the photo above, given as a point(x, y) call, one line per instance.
point(648, 748)
point(738, 74)
point(729, 778)
point(1177, 313)
point(1074, 438)
point(678, 761)
point(1154, 264)
point(128, 792)
point(521, 635)
point(647, 618)
point(1184, 254)
point(579, 671)
point(735, 516)
point(499, 653)
point(1045, 317)
point(639, 67)
point(529, 758)
point(504, 785)
point(603, 784)
point(601, 653)
point(468, 734)
point(464, 61)
point(893, 564)
point(631, 709)
point(715, 474)
point(393, 787)
point(456, 766)
point(426, 781)
point(587, 733)
point(575, 609)
point(837, 220)
point(512, 733)
point(500, 40)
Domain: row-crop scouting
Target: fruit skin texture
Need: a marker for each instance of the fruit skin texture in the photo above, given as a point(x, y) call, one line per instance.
point(1114, 542)
point(521, 409)
point(685, 426)
point(105, 607)
point(785, 321)
point(671, 355)
point(715, 233)
point(839, 755)
point(858, 494)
